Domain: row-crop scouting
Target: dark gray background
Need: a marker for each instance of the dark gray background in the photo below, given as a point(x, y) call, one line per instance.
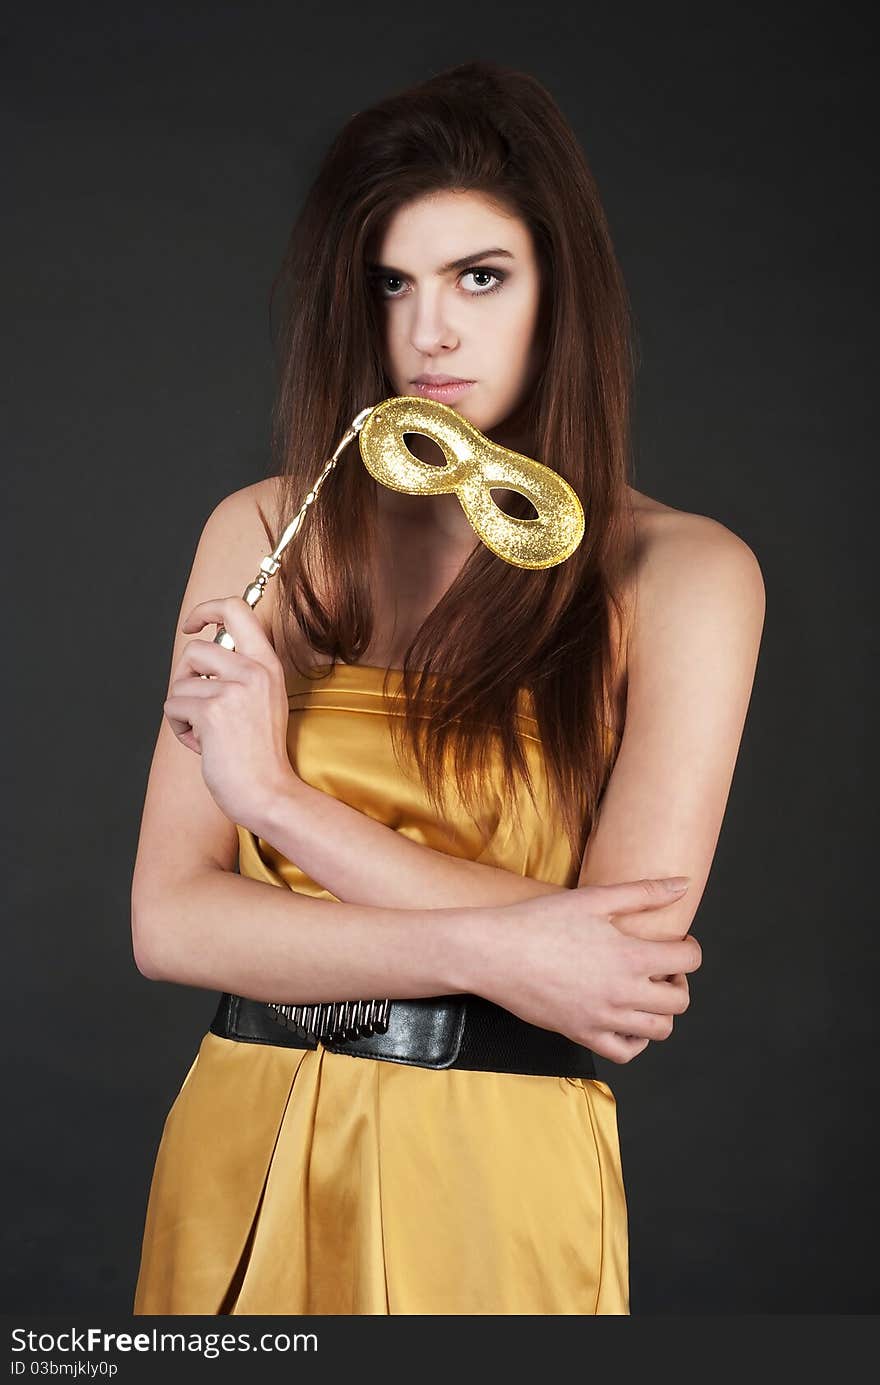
point(154, 162)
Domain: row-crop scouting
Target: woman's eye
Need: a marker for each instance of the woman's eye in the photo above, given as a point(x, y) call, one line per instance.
point(485, 274)
point(385, 279)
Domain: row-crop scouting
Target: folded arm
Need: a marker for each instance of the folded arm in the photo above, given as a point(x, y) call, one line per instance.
point(692, 654)
point(364, 862)
point(212, 928)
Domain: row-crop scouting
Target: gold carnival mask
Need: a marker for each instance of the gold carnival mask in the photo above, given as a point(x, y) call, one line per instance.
point(474, 466)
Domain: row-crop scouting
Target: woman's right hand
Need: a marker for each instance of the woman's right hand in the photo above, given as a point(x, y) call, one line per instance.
point(559, 961)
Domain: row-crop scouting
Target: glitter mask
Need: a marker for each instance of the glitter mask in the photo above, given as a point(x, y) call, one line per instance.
point(473, 466)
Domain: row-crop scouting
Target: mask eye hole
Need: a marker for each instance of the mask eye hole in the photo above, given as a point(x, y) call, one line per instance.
point(434, 455)
point(513, 503)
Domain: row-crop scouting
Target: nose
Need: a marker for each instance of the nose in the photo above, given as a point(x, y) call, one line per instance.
point(430, 328)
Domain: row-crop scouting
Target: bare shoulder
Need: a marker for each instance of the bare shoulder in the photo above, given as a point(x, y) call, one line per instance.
point(681, 557)
point(239, 513)
point(690, 571)
point(235, 539)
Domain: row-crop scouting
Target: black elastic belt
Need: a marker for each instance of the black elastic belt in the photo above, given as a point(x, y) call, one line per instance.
point(456, 1031)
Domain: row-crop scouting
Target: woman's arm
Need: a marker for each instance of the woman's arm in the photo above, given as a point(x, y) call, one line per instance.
point(691, 660)
point(558, 962)
point(364, 862)
point(221, 931)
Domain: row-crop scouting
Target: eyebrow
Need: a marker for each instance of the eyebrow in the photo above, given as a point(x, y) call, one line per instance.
point(446, 268)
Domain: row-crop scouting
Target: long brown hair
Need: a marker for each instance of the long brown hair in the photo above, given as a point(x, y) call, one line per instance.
point(498, 629)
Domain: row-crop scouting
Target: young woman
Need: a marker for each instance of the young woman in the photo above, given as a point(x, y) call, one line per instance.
point(446, 780)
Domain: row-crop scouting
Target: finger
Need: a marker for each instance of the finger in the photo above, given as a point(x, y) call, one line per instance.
point(197, 686)
point(661, 997)
point(206, 657)
point(665, 956)
point(644, 1024)
point(184, 713)
point(619, 1048)
point(677, 978)
point(629, 897)
point(236, 615)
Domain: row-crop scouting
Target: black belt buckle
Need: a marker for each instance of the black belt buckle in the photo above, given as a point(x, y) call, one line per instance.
point(333, 1021)
point(426, 1031)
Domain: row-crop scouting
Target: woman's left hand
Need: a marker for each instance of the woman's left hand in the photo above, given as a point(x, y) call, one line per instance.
point(236, 718)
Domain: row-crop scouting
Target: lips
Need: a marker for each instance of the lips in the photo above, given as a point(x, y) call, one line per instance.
point(442, 387)
point(441, 380)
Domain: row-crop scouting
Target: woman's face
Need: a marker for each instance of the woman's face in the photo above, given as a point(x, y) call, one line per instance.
point(459, 289)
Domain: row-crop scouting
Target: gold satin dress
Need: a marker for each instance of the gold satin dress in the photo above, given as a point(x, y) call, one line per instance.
point(301, 1181)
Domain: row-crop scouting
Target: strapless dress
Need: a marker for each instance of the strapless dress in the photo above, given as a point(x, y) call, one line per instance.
point(302, 1181)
